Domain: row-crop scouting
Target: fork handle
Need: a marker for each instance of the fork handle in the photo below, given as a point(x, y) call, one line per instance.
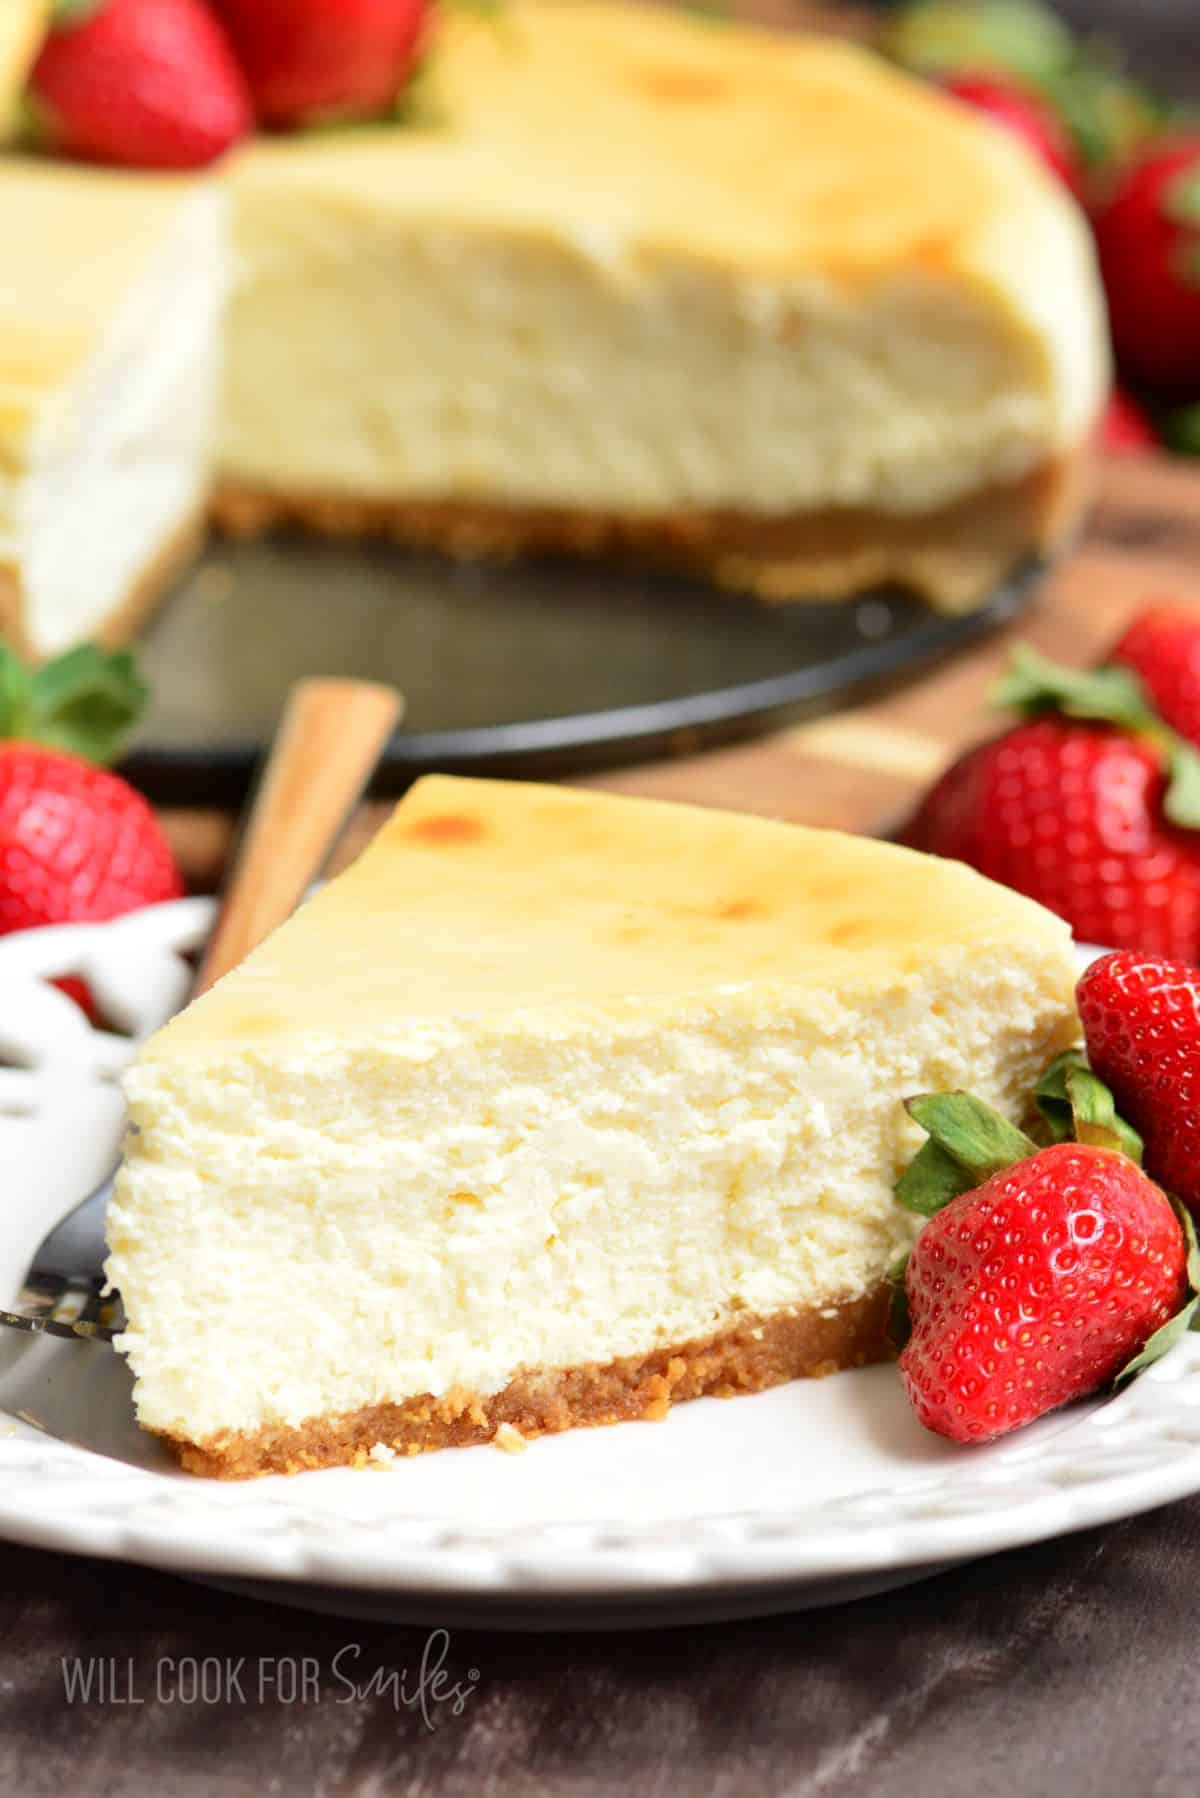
point(329, 740)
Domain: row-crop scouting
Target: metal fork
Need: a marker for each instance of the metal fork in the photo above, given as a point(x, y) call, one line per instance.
point(328, 742)
point(63, 1291)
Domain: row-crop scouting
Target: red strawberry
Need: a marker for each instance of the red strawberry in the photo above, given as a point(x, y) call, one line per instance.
point(1028, 117)
point(1141, 1019)
point(142, 83)
point(1071, 813)
point(76, 843)
point(319, 59)
point(1162, 646)
point(1149, 240)
point(1125, 426)
point(1036, 1288)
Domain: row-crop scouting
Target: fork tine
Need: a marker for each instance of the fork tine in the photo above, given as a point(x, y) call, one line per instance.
point(54, 1326)
point(90, 1312)
point(63, 1308)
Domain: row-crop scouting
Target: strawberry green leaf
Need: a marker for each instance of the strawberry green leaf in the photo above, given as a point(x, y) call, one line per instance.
point(86, 702)
point(1053, 1101)
point(1106, 113)
point(1034, 685)
point(1181, 802)
point(972, 1135)
point(1181, 197)
point(1185, 1319)
point(417, 105)
point(15, 683)
point(1096, 1119)
point(1078, 1107)
point(1023, 38)
point(73, 12)
point(1181, 430)
point(899, 1325)
point(1163, 1339)
point(1188, 1225)
point(931, 1180)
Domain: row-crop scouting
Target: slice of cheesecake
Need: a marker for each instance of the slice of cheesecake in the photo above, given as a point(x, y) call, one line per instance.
point(552, 1110)
point(110, 310)
point(757, 306)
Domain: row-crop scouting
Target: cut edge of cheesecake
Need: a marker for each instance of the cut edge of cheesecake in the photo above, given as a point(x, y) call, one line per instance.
point(749, 1355)
point(130, 609)
point(108, 391)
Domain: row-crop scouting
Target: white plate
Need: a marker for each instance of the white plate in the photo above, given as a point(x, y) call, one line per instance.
point(813, 1492)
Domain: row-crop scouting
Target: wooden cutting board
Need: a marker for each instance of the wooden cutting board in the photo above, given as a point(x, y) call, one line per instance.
point(863, 768)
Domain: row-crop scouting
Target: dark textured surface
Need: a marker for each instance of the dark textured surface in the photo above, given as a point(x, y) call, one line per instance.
point(1059, 1670)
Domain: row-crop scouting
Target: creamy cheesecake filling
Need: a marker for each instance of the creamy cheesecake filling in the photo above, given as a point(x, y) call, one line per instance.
point(410, 360)
point(119, 463)
point(451, 1202)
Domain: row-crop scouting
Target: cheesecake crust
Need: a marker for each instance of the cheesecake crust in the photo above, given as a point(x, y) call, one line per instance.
point(746, 1356)
point(125, 619)
point(954, 557)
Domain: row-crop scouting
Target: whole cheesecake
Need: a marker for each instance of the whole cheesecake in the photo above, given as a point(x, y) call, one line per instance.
point(110, 321)
point(754, 306)
point(555, 1109)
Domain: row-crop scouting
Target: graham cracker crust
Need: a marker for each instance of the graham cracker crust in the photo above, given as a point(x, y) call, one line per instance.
point(748, 1356)
point(129, 614)
point(954, 557)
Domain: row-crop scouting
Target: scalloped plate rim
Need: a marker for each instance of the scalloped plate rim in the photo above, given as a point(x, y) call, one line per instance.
point(1090, 1465)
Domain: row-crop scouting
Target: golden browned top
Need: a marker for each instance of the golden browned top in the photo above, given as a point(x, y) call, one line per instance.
point(634, 124)
point(634, 137)
point(493, 898)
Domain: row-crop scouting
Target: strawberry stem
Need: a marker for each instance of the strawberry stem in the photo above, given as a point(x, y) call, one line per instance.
point(1077, 1107)
point(1034, 685)
point(968, 1143)
point(73, 12)
point(1181, 198)
point(85, 702)
point(1185, 1319)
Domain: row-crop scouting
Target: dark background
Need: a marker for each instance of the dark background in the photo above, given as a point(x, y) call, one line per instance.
point(1162, 37)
